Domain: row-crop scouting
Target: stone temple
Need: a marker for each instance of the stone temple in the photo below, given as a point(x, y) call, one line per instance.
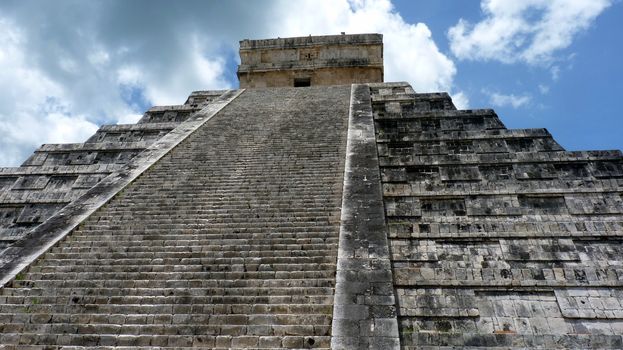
point(315, 207)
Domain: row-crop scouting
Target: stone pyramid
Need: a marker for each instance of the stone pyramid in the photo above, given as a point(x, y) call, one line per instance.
point(343, 213)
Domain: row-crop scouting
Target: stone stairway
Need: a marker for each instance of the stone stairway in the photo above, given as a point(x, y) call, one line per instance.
point(229, 241)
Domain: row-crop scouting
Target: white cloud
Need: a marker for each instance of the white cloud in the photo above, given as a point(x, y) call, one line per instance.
point(200, 71)
point(530, 31)
point(99, 57)
point(129, 75)
point(543, 89)
point(501, 100)
point(31, 107)
point(460, 100)
point(73, 89)
point(30, 129)
point(129, 118)
point(555, 72)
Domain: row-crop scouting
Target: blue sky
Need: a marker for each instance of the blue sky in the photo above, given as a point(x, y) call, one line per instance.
point(68, 66)
point(579, 106)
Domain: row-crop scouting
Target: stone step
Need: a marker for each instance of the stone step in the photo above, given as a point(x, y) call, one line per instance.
point(382, 115)
point(501, 187)
point(238, 192)
point(112, 128)
point(195, 224)
point(508, 341)
point(201, 326)
point(463, 160)
point(453, 125)
point(208, 212)
point(196, 231)
point(229, 183)
point(478, 229)
point(503, 224)
point(325, 222)
point(108, 235)
point(223, 313)
point(103, 146)
point(272, 196)
point(128, 263)
point(484, 192)
point(397, 135)
point(305, 210)
point(483, 147)
point(154, 276)
point(208, 217)
point(39, 197)
point(228, 294)
point(199, 226)
point(135, 342)
point(254, 175)
point(160, 283)
point(61, 170)
point(289, 198)
point(184, 268)
point(227, 244)
point(243, 208)
point(202, 97)
point(269, 246)
point(191, 254)
point(179, 217)
point(255, 171)
point(259, 303)
point(163, 329)
point(253, 157)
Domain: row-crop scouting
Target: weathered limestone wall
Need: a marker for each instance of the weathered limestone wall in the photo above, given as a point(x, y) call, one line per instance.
point(498, 238)
point(317, 77)
point(324, 60)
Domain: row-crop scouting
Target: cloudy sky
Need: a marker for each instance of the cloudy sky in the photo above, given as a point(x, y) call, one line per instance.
point(68, 66)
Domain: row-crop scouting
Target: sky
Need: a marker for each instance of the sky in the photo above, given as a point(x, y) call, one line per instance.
point(69, 66)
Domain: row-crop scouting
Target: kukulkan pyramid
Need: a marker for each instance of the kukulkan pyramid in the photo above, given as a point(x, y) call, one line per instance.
point(315, 207)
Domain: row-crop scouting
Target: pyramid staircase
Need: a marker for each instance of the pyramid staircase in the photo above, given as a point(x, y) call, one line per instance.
point(228, 241)
point(228, 237)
